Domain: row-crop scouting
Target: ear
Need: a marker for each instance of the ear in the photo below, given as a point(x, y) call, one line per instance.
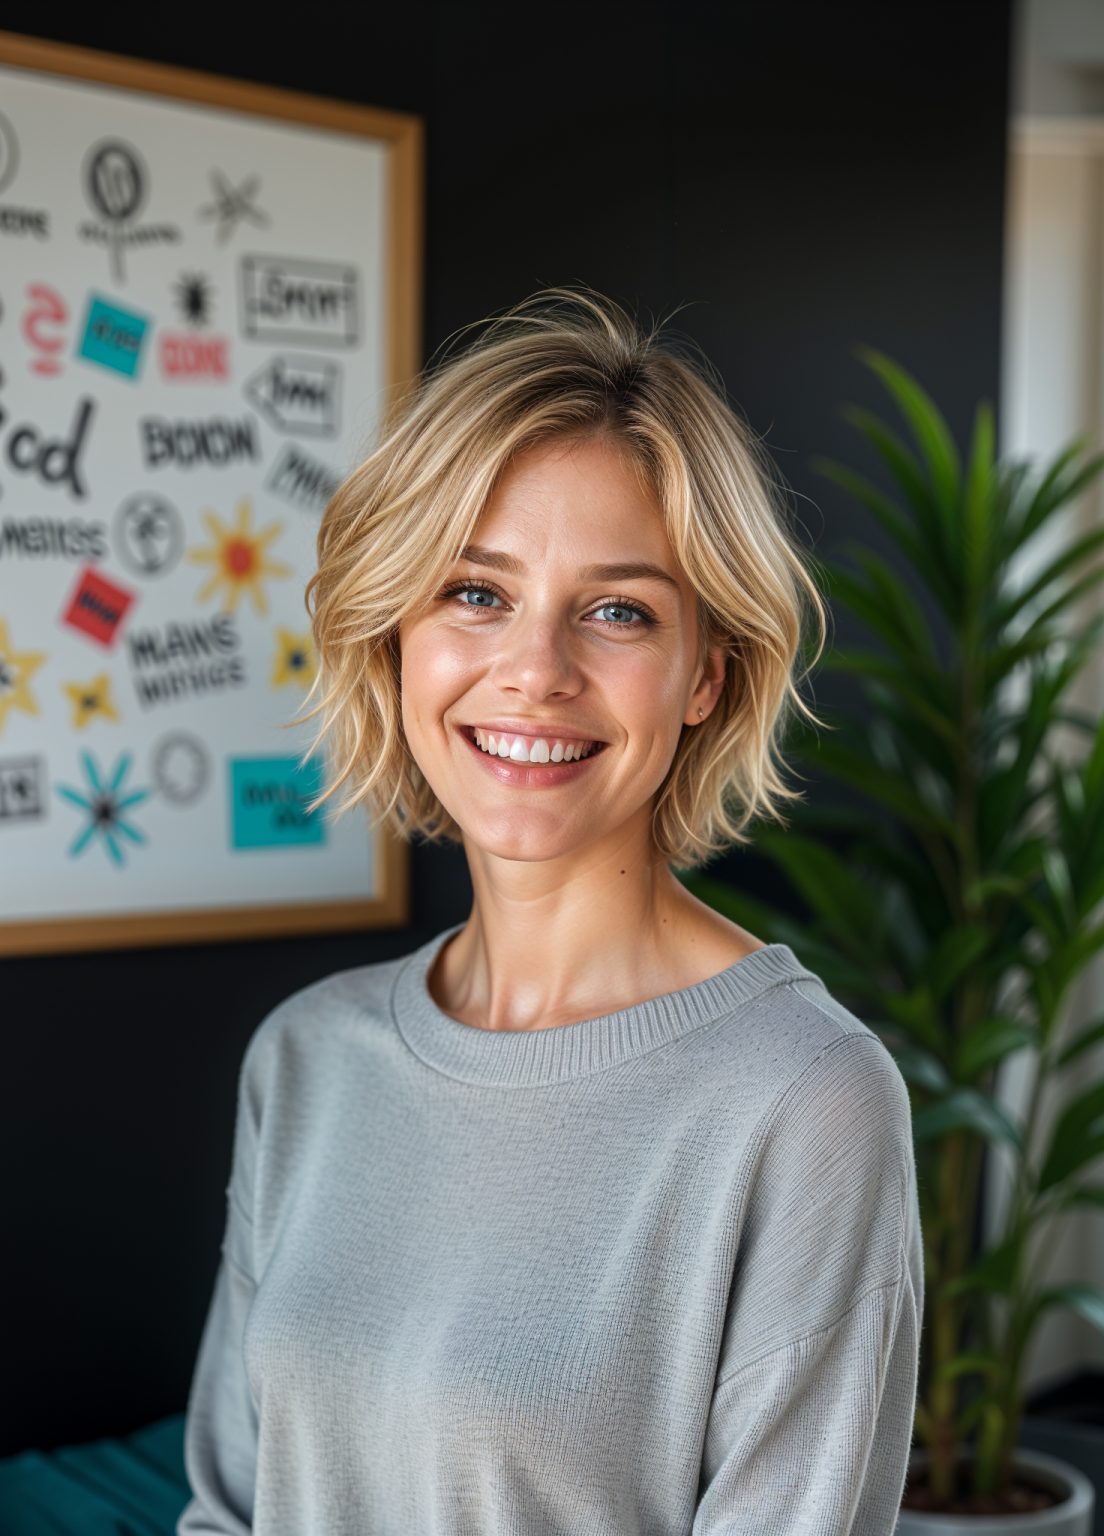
point(712, 678)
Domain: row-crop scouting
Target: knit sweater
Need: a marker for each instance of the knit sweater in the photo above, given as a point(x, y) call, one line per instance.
point(658, 1271)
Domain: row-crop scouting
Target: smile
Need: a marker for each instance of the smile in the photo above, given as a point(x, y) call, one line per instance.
point(530, 775)
point(529, 749)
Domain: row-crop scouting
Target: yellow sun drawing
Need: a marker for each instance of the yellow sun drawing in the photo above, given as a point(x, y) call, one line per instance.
point(238, 555)
point(91, 699)
point(16, 670)
point(295, 659)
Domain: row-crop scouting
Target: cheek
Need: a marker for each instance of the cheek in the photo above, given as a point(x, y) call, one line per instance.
point(649, 684)
point(434, 664)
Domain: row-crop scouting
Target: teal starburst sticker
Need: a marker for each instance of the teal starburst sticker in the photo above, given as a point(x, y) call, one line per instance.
point(104, 805)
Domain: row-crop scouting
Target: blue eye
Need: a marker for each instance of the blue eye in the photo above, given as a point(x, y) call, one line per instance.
point(476, 584)
point(625, 608)
point(481, 593)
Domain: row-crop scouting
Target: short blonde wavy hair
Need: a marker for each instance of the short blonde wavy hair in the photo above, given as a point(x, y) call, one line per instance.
point(566, 363)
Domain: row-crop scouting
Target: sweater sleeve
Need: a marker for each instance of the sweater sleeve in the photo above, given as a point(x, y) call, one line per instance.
point(221, 1424)
point(811, 1419)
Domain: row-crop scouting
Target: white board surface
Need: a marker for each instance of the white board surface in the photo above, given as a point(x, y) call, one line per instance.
point(192, 347)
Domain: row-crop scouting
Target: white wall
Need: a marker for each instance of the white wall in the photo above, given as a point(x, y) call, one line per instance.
point(1052, 389)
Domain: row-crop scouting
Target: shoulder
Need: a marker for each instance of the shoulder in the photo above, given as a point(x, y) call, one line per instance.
point(357, 998)
point(842, 1055)
point(832, 1150)
point(808, 1054)
point(843, 1077)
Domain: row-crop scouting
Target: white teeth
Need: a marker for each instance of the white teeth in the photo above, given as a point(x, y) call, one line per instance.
point(537, 751)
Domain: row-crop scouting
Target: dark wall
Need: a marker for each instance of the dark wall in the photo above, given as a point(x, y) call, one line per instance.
point(808, 177)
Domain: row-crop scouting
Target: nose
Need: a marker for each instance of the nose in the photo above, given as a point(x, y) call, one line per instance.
point(536, 658)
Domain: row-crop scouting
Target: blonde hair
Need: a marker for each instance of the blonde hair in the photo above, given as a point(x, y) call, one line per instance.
point(565, 363)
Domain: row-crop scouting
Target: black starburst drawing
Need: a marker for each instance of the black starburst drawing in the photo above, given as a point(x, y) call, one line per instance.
point(232, 204)
point(104, 807)
point(194, 298)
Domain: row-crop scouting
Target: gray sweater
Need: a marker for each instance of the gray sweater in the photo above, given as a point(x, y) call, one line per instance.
point(655, 1272)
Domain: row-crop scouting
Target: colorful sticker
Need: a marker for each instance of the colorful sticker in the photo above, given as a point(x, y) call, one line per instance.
point(16, 670)
point(240, 559)
point(268, 800)
point(113, 337)
point(104, 805)
point(97, 607)
point(91, 699)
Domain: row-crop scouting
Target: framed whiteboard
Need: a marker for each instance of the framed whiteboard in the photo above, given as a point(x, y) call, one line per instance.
point(208, 291)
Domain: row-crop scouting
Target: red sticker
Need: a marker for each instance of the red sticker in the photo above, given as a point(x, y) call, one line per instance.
point(193, 357)
point(97, 607)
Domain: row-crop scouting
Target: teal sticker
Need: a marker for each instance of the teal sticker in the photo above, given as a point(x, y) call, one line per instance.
point(113, 337)
point(268, 802)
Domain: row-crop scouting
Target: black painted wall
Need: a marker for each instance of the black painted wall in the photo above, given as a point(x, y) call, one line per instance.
point(808, 177)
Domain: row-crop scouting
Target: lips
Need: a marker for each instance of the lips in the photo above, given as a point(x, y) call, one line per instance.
point(508, 771)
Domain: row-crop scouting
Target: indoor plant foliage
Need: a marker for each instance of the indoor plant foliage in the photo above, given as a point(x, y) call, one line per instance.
point(968, 898)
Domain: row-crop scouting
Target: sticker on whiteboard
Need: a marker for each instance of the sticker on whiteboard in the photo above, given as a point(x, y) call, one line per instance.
point(268, 800)
point(51, 538)
point(21, 785)
point(107, 804)
point(183, 356)
point(232, 204)
point(297, 395)
point(91, 700)
point(16, 670)
point(116, 184)
point(97, 607)
point(194, 298)
point(148, 534)
point(286, 299)
point(46, 308)
point(52, 459)
point(216, 441)
point(171, 663)
point(303, 480)
point(17, 221)
point(180, 767)
point(113, 337)
point(296, 661)
point(240, 558)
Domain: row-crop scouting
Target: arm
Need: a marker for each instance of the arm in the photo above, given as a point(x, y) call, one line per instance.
point(811, 1419)
point(220, 1432)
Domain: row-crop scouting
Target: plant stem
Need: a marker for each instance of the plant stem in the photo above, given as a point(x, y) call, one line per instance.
point(943, 1392)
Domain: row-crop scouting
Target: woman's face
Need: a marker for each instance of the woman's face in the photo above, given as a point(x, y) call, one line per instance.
point(558, 652)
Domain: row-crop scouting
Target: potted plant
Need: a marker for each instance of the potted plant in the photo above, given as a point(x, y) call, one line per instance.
point(953, 904)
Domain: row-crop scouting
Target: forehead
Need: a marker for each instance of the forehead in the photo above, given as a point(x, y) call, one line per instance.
point(575, 500)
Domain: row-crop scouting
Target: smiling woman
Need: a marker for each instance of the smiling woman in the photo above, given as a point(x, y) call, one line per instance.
point(570, 373)
point(594, 1213)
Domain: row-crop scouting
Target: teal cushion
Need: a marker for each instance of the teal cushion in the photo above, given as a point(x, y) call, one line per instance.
point(135, 1485)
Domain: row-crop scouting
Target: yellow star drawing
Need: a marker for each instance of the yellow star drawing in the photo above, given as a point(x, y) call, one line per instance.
point(16, 670)
point(238, 555)
point(90, 699)
point(295, 659)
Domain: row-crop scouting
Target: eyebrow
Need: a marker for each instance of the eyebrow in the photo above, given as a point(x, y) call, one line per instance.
point(622, 570)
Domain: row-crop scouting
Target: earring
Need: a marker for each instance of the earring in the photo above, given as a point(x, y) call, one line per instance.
point(701, 711)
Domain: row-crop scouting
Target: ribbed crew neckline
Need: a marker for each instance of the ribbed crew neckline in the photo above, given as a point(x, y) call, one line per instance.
point(521, 1058)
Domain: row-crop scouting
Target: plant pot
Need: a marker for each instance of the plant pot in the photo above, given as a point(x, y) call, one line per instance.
point(1072, 1515)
